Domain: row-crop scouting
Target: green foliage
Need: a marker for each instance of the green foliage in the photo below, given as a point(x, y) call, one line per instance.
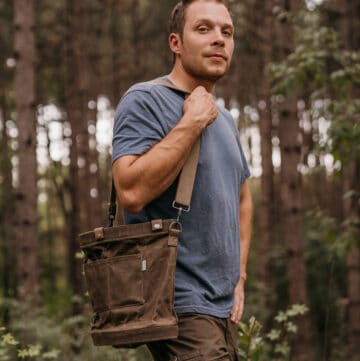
point(325, 264)
point(42, 337)
point(10, 347)
point(274, 346)
point(318, 63)
point(324, 232)
point(320, 66)
point(250, 340)
point(307, 65)
point(345, 132)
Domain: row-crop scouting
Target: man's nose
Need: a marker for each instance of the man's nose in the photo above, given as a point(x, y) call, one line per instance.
point(218, 38)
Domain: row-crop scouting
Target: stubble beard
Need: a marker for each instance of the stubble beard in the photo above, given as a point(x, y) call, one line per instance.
point(204, 75)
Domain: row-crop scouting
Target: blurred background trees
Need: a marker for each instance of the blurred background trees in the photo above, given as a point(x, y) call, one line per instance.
point(293, 91)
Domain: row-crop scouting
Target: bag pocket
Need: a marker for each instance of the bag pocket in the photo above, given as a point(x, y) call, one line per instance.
point(115, 282)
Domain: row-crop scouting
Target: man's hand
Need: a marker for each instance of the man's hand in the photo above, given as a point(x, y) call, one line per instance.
point(239, 299)
point(200, 106)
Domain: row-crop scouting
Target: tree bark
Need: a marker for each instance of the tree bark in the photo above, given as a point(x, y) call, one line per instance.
point(267, 182)
point(6, 214)
point(26, 196)
point(79, 142)
point(292, 221)
point(292, 201)
point(349, 28)
point(352, 214)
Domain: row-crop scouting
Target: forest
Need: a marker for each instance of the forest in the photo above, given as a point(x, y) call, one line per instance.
point(294, 92)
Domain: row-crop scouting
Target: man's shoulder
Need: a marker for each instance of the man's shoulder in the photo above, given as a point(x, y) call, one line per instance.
point(149, 95)
point(146, 88)
point(225, 113)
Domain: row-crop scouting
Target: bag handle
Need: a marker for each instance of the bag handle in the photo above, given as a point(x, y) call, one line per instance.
point(186, 179)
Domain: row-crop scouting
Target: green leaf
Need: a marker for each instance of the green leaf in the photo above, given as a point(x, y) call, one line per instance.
point(9, 339)
point(282, 348)
point(23, 353)
point(281, 317)
point(34, 350)
point(274, 335)
point(291, 327)
point(244, 328)
point(31, 351)
point(53, 354)
point(297, 309)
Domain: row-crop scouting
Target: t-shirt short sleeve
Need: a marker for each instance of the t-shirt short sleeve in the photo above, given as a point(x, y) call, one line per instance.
point(245, 171)
point(245, 174)
point(136, 126)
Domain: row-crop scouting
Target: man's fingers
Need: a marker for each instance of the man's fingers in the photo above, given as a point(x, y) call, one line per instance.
point(199, 89)
point(235, 312)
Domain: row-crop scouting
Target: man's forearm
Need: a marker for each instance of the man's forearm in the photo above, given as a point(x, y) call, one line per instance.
point(246, 211)
point(140, 179)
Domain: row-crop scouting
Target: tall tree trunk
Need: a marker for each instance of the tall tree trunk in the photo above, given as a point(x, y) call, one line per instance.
point(292, 221)
point(79, 141)
point(115, 56)
point(92, 74)
point(6, 214)
point(352, 215)
point(26, 205)
point(116, 44)
point(292, 201)
point(350, 37)
point(267, 182)
point(81, 96)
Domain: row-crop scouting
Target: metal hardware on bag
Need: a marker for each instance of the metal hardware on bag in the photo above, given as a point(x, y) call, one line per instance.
point(99, 233)
point(175, 229)
point(156, 225)
point(143, 265)
point(182, 207)
point(180, 210)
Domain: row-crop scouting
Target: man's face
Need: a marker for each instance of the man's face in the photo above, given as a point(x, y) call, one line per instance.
point(207, 43)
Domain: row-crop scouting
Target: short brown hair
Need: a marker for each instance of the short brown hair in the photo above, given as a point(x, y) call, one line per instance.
point(177, 17)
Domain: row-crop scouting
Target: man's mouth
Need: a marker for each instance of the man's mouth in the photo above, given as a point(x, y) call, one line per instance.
point(217, 56)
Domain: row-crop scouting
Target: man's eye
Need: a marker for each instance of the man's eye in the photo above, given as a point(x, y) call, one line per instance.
point(227, 33)
point(203, 29)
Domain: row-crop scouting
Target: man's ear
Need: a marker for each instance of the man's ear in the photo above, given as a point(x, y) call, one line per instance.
point(175, 43)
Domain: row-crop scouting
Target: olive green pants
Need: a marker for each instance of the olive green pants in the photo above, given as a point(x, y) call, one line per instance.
point(201, 338)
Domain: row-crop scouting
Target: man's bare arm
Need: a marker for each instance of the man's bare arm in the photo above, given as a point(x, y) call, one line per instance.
point(246, 210)
point(140, 179)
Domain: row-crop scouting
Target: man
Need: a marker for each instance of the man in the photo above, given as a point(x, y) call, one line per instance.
point(154, 131)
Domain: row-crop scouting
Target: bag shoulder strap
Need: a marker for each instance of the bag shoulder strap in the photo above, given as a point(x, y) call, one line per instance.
point(169, 84)
point(186, 180)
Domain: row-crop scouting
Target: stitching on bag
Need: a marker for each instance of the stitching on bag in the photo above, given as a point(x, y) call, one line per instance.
point(118, 238)
point(101, 261)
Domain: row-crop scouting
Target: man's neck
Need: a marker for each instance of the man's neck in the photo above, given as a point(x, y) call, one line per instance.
point(183, 80)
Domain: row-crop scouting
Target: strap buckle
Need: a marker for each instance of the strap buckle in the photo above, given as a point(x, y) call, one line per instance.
point(181, 208)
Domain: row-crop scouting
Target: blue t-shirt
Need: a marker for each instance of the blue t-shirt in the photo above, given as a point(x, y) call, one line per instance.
point(208, 263)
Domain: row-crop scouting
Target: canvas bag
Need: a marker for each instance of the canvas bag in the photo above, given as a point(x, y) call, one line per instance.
point(130, 271)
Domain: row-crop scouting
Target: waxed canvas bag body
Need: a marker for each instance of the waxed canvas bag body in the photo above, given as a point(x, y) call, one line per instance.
point(130, 270)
